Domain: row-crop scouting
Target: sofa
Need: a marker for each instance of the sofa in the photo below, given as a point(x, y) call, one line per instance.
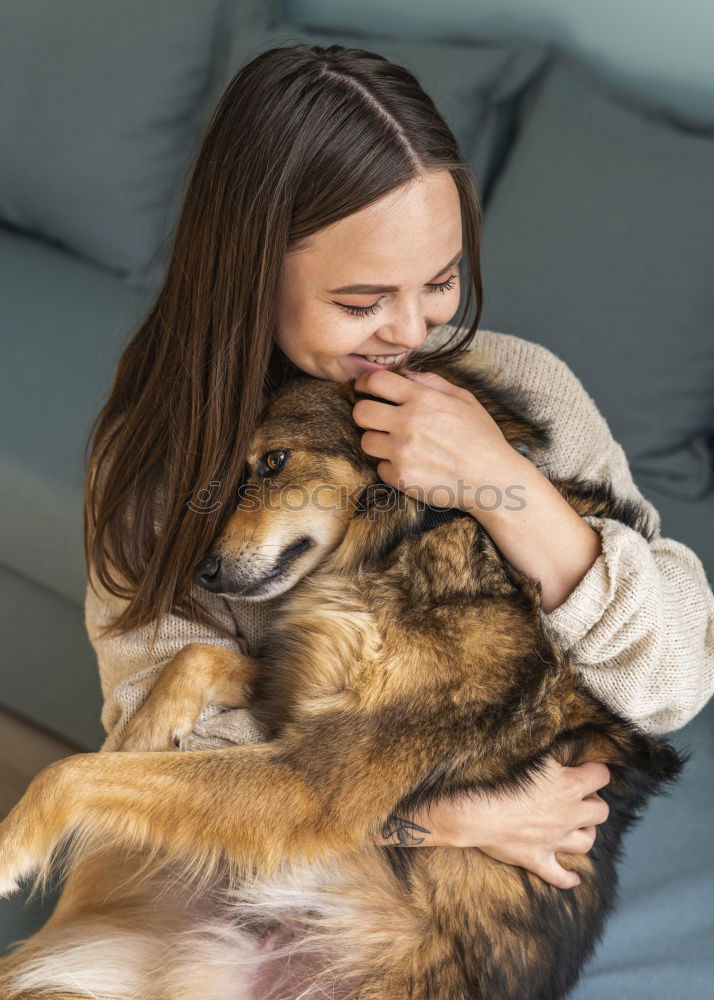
point(597, 224)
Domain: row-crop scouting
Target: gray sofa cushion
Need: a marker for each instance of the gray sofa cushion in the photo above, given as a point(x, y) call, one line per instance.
point(64, 325)
point(99, 116)
point(476, 84)
point(49, 669)
point(598, 244)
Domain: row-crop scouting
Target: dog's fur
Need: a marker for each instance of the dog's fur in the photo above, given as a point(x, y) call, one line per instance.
point(407, 661)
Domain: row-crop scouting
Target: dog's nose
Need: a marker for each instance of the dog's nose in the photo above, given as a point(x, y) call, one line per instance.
point(207, 573)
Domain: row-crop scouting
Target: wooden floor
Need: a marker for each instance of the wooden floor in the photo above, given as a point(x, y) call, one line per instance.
point(24, 750)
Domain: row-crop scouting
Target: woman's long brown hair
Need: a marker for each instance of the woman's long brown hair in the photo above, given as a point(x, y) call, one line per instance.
point(302, 137)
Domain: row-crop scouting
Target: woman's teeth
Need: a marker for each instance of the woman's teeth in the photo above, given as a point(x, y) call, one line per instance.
point(386, 359)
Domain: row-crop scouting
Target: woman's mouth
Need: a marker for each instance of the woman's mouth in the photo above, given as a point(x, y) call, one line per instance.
point(372, 361)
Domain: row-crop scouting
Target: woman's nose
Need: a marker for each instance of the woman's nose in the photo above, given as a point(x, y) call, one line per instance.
point(410, 334)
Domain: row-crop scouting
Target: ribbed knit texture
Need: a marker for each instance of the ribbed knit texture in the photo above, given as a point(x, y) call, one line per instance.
point(639, 625)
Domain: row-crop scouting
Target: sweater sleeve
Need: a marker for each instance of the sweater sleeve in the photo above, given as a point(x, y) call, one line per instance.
point(640, 623)
point(129, 667)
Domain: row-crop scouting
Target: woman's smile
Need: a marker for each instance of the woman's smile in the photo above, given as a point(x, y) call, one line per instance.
point(364, 363)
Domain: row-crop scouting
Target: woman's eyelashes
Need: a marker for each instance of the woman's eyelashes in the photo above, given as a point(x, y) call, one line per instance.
point(443, 286)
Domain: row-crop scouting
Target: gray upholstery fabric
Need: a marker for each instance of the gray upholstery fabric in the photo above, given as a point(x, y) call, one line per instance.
point(64, 324)
point(598, 244)
point(98, 121)
point(49, 670)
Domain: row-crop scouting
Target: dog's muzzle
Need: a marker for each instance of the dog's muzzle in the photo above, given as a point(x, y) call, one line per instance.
point(215, 574)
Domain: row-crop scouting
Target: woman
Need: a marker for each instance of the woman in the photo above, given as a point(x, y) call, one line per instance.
point(322, 170)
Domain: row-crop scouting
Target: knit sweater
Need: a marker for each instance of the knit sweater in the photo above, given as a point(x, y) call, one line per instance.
point(639, 626)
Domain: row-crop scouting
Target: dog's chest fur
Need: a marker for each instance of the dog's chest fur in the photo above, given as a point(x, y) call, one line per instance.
point(440, 603)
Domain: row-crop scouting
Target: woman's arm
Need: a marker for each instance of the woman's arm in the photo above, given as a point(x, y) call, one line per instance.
point(636, 615)
point(639, 624)
point(544, 538)
point(559, 812)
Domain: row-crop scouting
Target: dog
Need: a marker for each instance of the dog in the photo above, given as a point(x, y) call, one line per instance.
point(407, 661)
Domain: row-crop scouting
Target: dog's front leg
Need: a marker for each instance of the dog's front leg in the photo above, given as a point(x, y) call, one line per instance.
point(321, 788)
point(198, 675)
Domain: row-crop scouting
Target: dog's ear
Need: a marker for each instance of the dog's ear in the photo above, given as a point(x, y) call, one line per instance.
point(375, 496)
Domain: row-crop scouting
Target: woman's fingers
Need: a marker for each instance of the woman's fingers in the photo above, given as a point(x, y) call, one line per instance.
point(580, 841)
point(594, 775)
point(595, 810)
point(549, 869)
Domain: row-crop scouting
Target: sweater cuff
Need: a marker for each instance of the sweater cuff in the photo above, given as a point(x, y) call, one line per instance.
point(217, 728)
point(585, 606)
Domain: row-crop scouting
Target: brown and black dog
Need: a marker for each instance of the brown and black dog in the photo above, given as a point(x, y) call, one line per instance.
point(408, 660)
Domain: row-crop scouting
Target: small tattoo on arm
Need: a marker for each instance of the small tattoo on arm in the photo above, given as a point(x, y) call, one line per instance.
point(403, 829)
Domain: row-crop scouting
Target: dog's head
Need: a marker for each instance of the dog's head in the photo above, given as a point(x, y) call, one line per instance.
point(310, 491)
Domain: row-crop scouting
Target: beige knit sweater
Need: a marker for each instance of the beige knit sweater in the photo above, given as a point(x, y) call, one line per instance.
point(639, 625)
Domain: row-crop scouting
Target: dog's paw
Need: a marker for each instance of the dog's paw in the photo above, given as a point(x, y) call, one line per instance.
point(8, 885)
point(13, 867)
point(20, 852)
point(140, 737)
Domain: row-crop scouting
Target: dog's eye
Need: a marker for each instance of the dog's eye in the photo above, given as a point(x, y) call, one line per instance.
point(273, 461)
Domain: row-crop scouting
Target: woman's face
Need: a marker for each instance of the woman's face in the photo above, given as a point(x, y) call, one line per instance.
point(410, 240)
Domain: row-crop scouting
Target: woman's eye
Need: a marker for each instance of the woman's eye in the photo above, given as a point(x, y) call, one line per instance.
point(360, 310)
point(442, 286)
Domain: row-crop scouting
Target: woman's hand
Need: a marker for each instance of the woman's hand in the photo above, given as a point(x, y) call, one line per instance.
point(558, 812)
point(439, 445)
point(437, 442)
